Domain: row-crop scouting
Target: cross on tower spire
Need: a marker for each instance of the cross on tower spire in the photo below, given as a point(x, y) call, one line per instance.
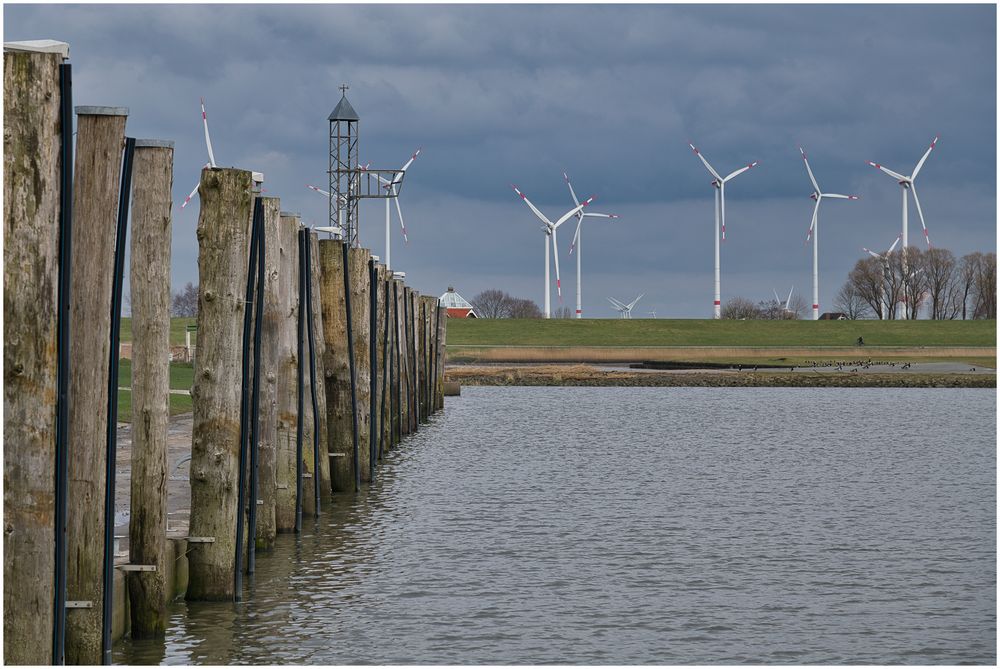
point(343, 89)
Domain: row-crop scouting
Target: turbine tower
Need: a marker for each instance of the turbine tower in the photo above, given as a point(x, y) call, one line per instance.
point(576, 243)
point(719, 184)
point(907, 184)
point(549, 228)
point(817, 195)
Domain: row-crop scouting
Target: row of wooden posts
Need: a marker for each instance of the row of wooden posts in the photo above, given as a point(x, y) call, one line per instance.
point(375, 348)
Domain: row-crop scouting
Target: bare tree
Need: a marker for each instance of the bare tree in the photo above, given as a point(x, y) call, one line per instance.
point(908, 268)
point(939, 267)
point(868, 282)
point(850, 302)
point(492, 303)
point(968, 269)
point(524, 308)
point(185, 303)
point(740, 308)
point(563, 312)
point(984, 290)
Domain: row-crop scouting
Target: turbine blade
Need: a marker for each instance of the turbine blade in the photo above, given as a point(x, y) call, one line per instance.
point(809, 170)
point(533, 208)
point(406, 240)
point(913, 189)
point(840, 197)
point(776, 298)
point(815, 212)
point(742, 170)
point(555, 254)
point(898, 237)
point(571, 191)
point(572, 212)
point(894, 175)
point(188, 198)
point(707, 166)
point(789, 300)
point(318, 190)
point(597, 215)
point(208, 139)
point(916, 169)
point(872, 253)
point(576, 235)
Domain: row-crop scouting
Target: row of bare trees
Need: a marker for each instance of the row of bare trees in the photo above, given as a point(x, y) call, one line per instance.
point(904, 284)
point(495, 303)
point(740, 308)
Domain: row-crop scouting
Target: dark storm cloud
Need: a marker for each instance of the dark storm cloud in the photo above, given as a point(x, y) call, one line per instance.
point(501, 94)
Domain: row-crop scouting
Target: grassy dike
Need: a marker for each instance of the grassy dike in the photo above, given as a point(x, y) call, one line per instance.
point(523, 352)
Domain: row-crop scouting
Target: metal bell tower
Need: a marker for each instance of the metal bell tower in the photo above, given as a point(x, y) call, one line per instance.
point(343, 168)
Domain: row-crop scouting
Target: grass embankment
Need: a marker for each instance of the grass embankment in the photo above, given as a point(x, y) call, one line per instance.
point(594, 340)
point(177, 327)
point(181, 378)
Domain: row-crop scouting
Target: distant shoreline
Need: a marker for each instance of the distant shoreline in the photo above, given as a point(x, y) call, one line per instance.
point(593, 376)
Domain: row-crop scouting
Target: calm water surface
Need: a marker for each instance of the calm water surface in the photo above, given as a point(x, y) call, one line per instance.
point(641, 525)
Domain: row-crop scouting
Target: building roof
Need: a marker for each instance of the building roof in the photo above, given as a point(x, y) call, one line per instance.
point(453, 300)
point(343, 111)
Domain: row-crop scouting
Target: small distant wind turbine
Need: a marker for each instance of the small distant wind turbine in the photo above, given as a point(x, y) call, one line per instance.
point(817, 195)
point(258, 177)
point(907, 184)
point(576, 243)
point(652, 313)
point(719, 184)
point(338, 230)
point(788, 302)
point(392, 186)
point(884, 257)
point(625, 310)
point(549, 228)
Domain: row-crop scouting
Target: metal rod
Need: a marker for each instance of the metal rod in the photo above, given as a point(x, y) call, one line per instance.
point(350, 356)
point(411, 366)
point(397, 384)
point(312, 372)
point(437, 352)
point(385, 374)
point(62, 357)
point(255, 394)
point(299, 422)
point(372, 367)
point(112, 431)
point(258, 212)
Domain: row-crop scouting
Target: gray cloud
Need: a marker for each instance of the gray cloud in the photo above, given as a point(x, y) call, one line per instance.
point(499, 94)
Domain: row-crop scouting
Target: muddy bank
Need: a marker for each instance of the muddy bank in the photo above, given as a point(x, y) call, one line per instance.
point(584, 375)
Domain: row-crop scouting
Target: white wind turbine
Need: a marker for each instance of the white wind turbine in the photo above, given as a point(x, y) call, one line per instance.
point(817, 195)
point(907, 185)
point(625, 310)
point(576, 243)
point(338, 230)
point(392, 186)
point(256, 176)
point(719, 183)
point(549, 228)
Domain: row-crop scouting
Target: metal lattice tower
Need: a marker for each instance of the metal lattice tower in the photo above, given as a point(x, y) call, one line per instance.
point(344, 185)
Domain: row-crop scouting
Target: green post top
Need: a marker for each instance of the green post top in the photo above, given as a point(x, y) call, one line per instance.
point(191, 328)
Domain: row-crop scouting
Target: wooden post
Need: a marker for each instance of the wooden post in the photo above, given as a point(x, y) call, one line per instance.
point(415, 358)
point(357, 259)
point(99, 141)
point(223, 239)
point(442, 331)
point(382, 367)
point(406, 370)
point(149, 275)
point(267, 455)
point(287, 370)
point(31, 192)
point(336, 365)
point(395, 392)
point(320, 344)
point(430, 310)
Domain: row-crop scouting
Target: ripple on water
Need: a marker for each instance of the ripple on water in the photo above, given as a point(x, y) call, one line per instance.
point(641, 525)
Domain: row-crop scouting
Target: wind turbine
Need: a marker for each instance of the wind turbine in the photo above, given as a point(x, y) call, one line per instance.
point(625, 309)
point(884, 257)
point(257, 177)
point(337, 230)
point(719, 183)
point(907, 185)
point(549, 228)
point(576, 243)
point(788, 302)
point(817, 195)
point(392, 186)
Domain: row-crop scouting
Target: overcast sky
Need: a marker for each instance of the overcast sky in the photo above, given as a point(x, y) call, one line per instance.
point(507, 94)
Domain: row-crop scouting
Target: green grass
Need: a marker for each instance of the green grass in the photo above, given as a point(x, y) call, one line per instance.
point(178, 404)
point(691, 332)
point(177, 327)
point(181, 375)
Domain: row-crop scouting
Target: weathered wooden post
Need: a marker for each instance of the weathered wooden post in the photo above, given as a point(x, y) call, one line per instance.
point(405, 366)
point(287, 370)
point(99, 142)
point(430, 310)
point(442, 332)
point(336, 365)
point(267, 458)
point(360, 285)
point(395, 372)
point(31, 193)
point(382, 367)
point(322, 458)
point(149, 275)
point(223, 234)
point(415, 359)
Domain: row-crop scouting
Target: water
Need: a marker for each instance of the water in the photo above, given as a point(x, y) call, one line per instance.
point(642, 525)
